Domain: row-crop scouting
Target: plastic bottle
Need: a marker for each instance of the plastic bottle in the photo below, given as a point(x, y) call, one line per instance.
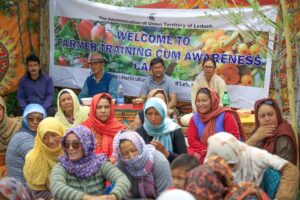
point(226, 100)
point(120, 95)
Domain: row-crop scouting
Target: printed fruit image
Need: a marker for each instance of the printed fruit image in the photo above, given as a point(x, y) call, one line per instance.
point(254, 49)
point(109, 38)
point(81, 62)
point(84, 29)
point(62, 21)
point(98, 33)
point(62, 61)
point(247, 80)
point(242, 49)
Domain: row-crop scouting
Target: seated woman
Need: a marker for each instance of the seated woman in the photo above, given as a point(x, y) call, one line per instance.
point(70, 112)
point(81, 174)
point(140, 117)
point(272, 132)
point(214, 181)
point(22, 142)
point(13, 189)
point(209, 119)
point(147, 169)
point(8, 127)
point(102, 122)
point(159, 130)
point(251, 164)
point(40, 160)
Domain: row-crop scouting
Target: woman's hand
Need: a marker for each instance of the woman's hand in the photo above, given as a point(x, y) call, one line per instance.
point(160, 147)
point(261, 133)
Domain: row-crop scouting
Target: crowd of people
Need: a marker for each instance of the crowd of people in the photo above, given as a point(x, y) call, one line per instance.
point(82, 152)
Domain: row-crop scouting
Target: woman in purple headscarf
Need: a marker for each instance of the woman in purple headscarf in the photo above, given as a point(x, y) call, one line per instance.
point(147, 169)
point(81, 174)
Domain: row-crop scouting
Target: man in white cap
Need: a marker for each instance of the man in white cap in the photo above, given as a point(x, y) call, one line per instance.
point(99, 81)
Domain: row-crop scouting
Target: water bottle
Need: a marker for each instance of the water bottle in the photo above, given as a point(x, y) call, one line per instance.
point(226, 100)
point(120, 95)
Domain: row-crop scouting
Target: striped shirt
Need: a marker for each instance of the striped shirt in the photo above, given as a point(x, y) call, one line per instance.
point(65, 186)
point(20, 144)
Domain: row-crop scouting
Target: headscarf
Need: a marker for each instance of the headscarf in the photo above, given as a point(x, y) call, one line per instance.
point(153, 92)
point(211, 180)
point(246, 190)
point(31, 108)
point(40, 160)
point(8, 127)
point(210, 118)
point(13, 189)
point(103, 132)
point(90, 163)
point(283, 129)
point(162, 131)
point(176, 194)
point(250, 162)
point(80, 113)
point(140, 166)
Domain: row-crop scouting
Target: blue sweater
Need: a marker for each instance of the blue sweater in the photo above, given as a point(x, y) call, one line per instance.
point(20, 144)
point(39, 91)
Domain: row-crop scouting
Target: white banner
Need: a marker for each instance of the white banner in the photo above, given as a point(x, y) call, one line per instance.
point(130, 37)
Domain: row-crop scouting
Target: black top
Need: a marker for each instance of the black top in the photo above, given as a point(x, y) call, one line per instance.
point(177, 139)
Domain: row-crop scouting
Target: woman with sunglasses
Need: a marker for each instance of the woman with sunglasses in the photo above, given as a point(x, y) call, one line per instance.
point(160, 131)
point(70, 112)
point(22, 142)
point(40, 160)
point(272, 132)
point(102, 123)
point(80, 174)
point(140, 117)
point(147, 169)
point(209, 119)
point(8, 127)
point(276, 176)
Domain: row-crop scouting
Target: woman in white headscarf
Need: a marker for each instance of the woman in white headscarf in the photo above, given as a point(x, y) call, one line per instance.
point(250, 164)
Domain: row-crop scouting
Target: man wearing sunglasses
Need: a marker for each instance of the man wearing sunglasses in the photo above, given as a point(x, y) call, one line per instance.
point(99, 81)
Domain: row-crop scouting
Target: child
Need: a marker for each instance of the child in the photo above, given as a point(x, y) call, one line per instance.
point(180, 167)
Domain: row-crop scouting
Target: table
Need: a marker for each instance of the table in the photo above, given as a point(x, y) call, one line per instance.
point(127, 112)
point(248, 124)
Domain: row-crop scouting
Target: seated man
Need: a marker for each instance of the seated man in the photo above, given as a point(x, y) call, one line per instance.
point(35, 87)
point(99, 81)
point(159, 80)
point(208, 79)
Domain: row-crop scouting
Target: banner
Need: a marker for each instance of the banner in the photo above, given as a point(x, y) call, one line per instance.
point(130, 37)
point(18, 38)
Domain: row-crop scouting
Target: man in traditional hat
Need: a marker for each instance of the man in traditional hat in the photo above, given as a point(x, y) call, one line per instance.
point(99, 81)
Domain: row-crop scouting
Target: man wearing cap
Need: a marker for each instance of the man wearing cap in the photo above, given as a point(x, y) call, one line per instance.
point(99, 81)
point(159, 80)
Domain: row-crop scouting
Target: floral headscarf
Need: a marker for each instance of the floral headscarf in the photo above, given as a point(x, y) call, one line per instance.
point(90, 163)
point(140, 166)
point(13, 189)
point(211, 180)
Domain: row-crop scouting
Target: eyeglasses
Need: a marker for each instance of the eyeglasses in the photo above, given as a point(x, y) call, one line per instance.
point(75, 145)
point(32, 119)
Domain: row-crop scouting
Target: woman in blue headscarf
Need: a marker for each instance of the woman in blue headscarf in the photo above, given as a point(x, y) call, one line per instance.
point(22, 142)
point(159, 130)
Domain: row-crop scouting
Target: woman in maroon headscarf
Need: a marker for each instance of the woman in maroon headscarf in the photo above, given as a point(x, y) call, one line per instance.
point(272, 132)
point(209, 119)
